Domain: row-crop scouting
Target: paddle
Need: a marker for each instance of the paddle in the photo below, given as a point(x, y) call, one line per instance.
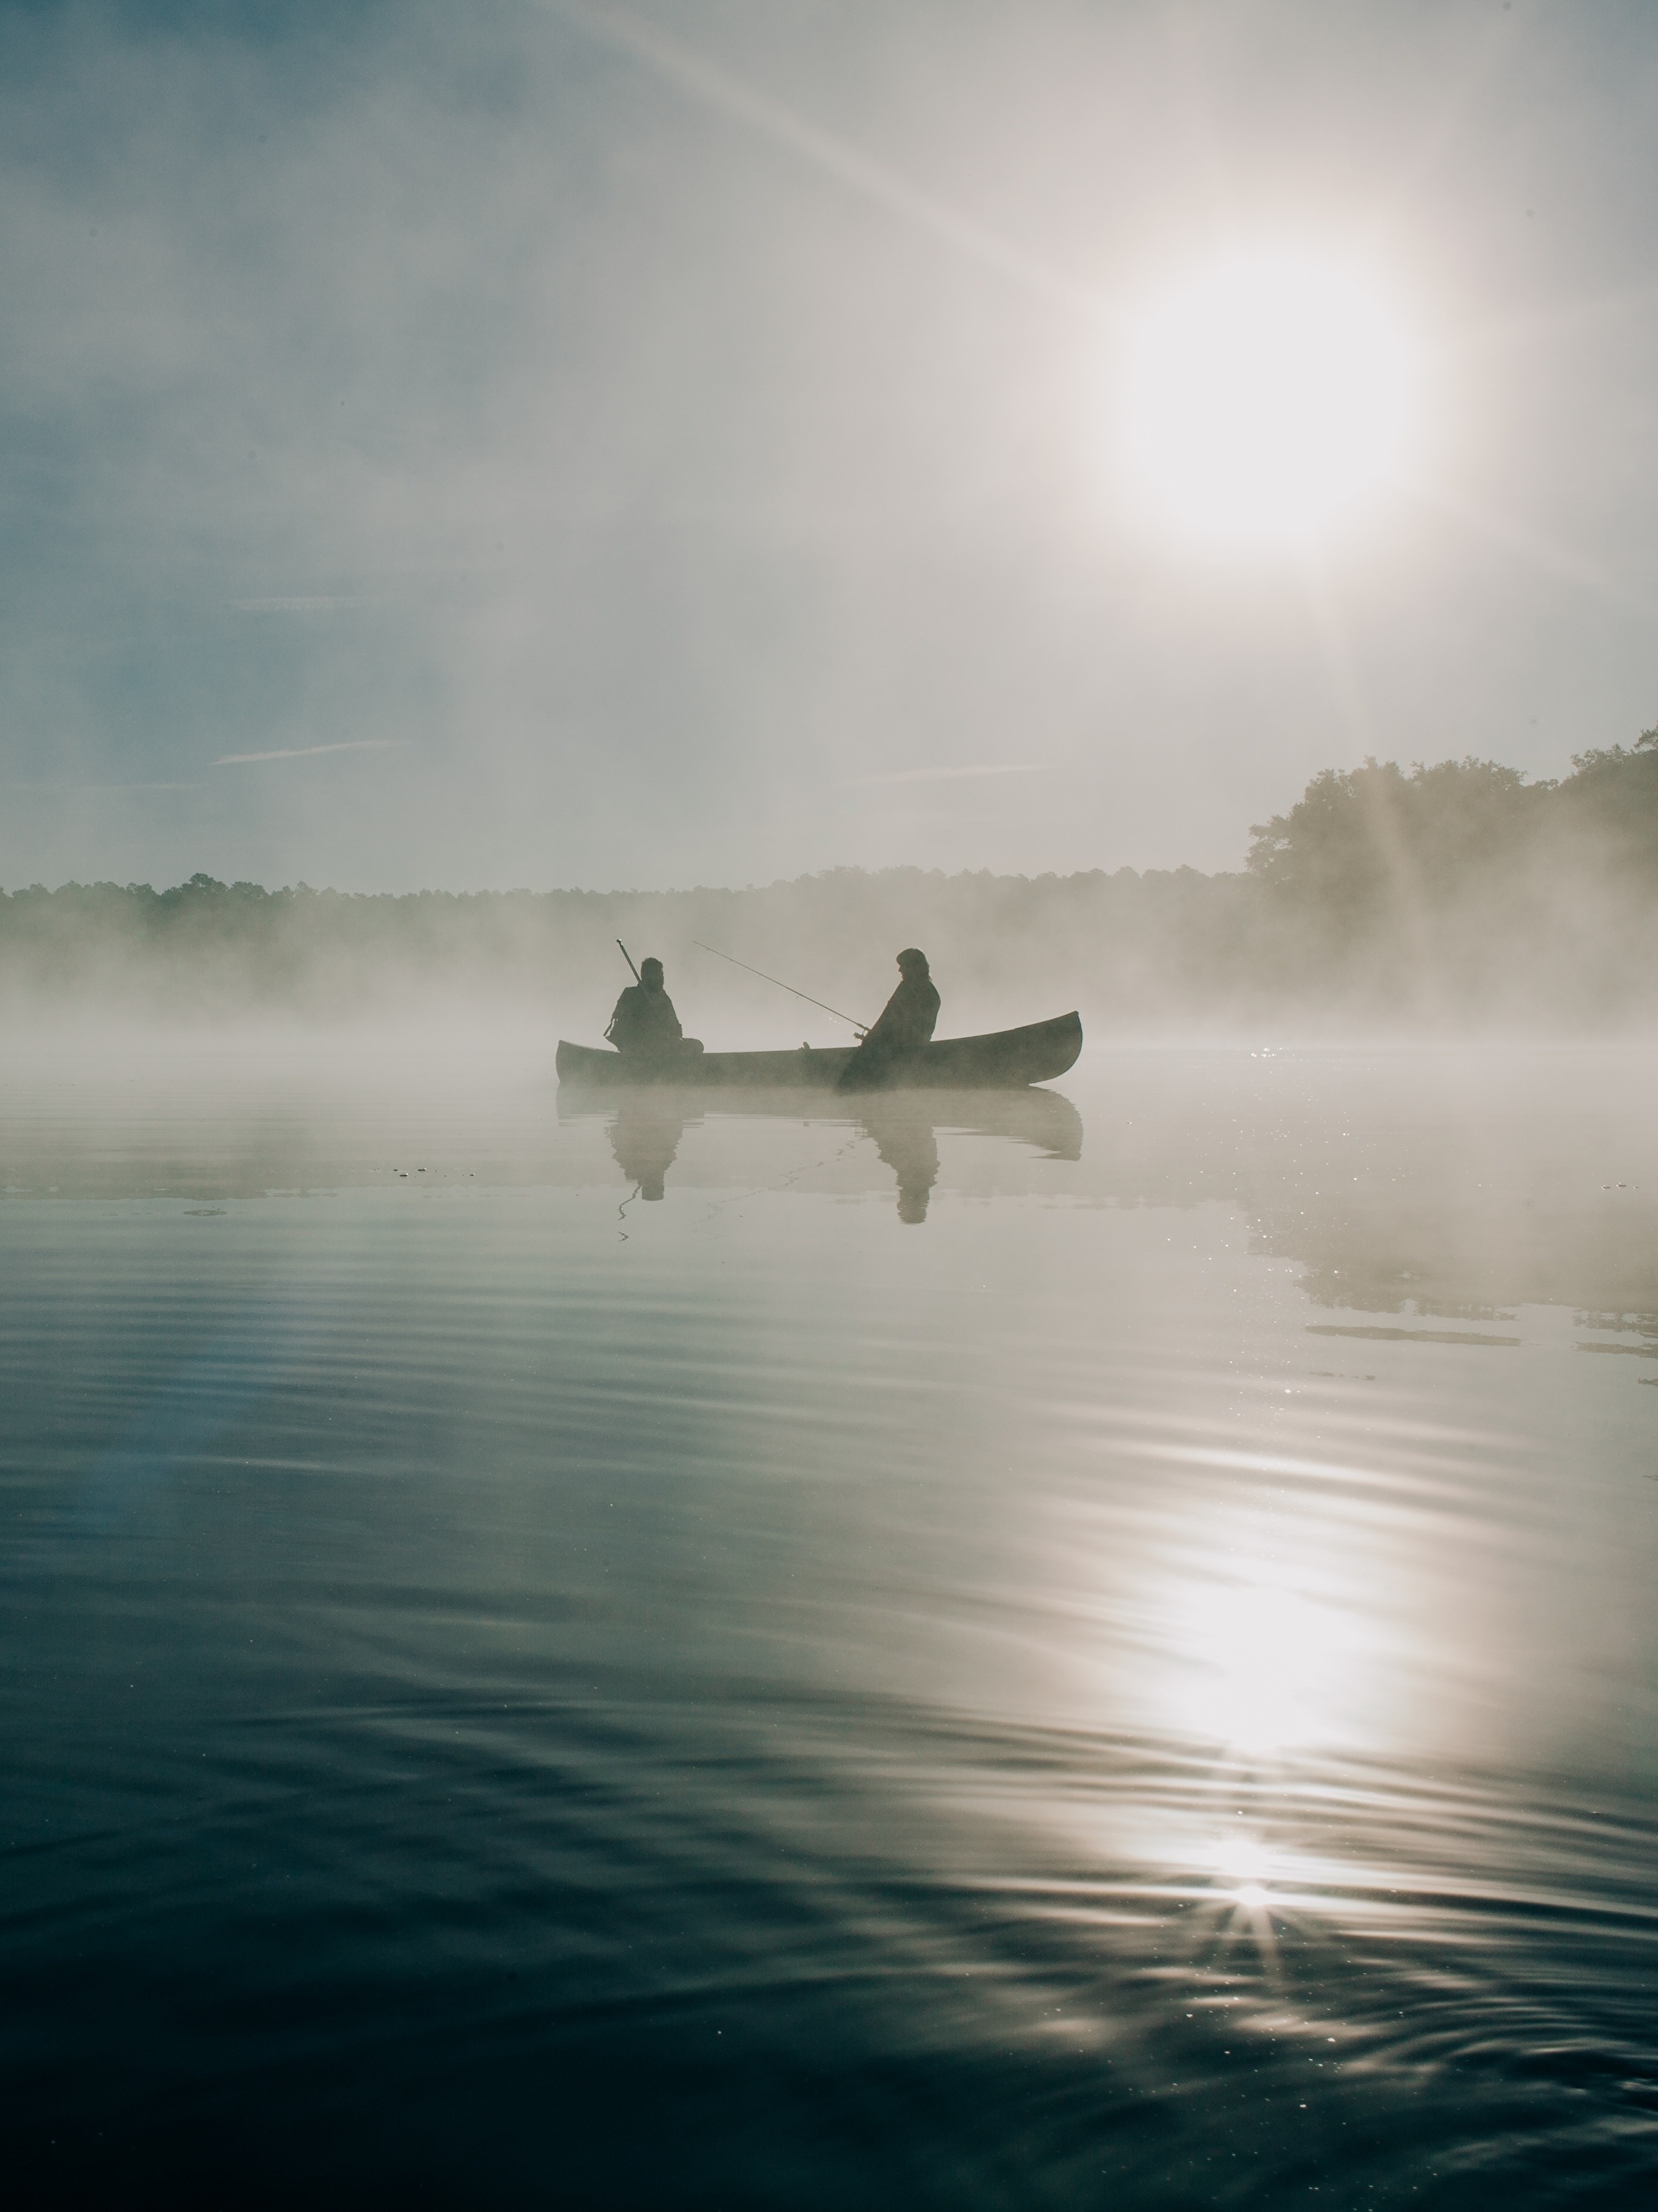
point(861, 1027)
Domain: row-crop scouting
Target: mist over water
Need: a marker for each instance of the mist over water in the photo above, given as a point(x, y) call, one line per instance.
point(987, 1650)
point(726, 1648)
point(1456, 900)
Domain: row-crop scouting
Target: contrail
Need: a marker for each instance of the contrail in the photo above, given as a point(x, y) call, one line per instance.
point(950, 774)
point(310, 606)
point(849, 164)
point(307, 752)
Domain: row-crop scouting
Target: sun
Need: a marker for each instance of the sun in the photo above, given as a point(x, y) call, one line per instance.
point(1265, 400)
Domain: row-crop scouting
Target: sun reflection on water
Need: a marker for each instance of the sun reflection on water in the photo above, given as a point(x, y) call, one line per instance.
point(1243, 1861)
point(1268, 1668)
point(1271, 1652)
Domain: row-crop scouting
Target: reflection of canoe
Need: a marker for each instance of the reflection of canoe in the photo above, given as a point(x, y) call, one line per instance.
point(1007, 1059)
point(1044, 1119)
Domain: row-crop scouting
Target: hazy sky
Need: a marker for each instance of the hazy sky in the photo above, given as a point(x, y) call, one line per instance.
point(653, 447)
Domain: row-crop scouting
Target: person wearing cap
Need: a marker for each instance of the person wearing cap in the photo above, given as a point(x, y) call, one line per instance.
point(909, 1018)
point(645, 1025)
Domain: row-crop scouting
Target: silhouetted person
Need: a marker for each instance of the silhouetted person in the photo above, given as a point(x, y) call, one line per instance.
point(645, 1025)
point(908, 1019)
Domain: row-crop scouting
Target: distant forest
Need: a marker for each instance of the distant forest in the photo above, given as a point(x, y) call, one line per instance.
point(1456, 896)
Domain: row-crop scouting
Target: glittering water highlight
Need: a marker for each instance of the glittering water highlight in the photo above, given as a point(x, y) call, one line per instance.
point(1130, 1681)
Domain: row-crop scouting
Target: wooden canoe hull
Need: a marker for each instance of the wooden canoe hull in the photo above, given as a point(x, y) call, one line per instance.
point(1006, 1060)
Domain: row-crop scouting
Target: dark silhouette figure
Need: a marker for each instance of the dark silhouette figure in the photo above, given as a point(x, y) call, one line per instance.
point(645, 1143)
point(908, 1019)
point(645, 1025)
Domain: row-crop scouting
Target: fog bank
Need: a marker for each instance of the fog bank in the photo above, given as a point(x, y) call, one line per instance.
point(1456, 899)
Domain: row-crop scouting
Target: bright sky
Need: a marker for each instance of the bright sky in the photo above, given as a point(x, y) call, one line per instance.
point(549, 444)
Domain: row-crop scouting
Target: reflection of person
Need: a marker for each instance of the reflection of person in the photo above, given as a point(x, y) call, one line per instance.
point(909, 1147)
point(908, 1019)
point(645, 1145)
point(645, 1025)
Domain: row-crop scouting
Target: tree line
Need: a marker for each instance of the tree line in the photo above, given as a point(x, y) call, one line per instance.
point(1456, 894)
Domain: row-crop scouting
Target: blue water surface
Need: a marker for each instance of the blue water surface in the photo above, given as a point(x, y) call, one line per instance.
point(1094, 1650)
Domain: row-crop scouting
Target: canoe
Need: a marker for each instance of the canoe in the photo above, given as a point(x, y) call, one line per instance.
point(1006, 1060)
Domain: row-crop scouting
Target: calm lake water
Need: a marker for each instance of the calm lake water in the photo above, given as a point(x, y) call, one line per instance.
point(1083, 1649)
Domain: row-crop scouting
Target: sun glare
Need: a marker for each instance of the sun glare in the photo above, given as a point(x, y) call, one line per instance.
point(1265, 401)
point(1269, 1664)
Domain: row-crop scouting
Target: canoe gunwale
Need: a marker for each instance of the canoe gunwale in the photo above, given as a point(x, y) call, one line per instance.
point(1002, 1060)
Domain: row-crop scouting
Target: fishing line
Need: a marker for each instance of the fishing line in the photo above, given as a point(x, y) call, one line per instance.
point(861, 1027)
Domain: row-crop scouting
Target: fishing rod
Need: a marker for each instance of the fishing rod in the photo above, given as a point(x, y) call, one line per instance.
point(861, 1027)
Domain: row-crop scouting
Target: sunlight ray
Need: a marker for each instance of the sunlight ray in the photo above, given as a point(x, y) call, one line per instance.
point(769, 117)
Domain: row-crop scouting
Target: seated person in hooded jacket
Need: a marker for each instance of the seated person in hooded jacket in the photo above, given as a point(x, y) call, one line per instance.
point(911, 1014)
point(645, 1025)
